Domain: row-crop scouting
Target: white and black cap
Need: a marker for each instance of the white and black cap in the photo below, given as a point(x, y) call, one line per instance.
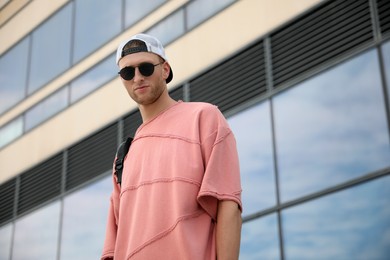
point(150, 44)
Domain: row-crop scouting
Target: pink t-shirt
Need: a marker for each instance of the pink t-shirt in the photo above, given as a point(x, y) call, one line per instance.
point(179, 165)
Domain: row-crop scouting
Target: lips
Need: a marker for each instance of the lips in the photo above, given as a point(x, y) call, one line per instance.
point(140, 88)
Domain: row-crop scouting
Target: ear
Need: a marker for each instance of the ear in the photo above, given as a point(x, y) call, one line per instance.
point(166, 70)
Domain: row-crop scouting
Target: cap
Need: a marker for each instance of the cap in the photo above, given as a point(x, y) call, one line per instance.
point(152, 44)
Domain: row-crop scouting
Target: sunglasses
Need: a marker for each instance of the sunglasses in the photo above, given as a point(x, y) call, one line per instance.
point(146, 69)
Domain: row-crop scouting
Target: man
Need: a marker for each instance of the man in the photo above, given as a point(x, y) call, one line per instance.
point(180, 194)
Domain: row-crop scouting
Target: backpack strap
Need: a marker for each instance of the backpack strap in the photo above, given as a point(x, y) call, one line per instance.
point(120, 158)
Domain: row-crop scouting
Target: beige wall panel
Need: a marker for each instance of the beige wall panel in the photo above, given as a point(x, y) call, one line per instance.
point(80, 120)
point(26, 20)
point(10, 9)
point(237, 26)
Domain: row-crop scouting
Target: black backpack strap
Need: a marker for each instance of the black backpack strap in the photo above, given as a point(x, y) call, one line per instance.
point(120, 158)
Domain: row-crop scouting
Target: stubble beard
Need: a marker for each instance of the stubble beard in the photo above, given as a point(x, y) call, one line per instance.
point(150, 97)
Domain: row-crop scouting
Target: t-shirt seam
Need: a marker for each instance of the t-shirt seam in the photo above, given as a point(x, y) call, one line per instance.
point(157, 116)
point(165, 232)
point(170, 136)
point(159, 180)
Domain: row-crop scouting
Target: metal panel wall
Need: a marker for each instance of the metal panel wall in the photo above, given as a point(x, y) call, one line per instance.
point(334, 29)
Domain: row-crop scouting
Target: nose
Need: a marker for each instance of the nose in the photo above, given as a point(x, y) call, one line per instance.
point(137, 75)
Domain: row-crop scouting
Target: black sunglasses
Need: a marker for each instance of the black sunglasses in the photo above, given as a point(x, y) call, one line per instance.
point(146, 69)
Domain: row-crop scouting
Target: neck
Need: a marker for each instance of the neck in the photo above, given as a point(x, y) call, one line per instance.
point(150, 111)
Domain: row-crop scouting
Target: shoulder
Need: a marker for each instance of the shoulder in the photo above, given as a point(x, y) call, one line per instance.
point(201, 108)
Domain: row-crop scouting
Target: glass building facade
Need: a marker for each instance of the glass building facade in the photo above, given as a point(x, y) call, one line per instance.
point(309, 104)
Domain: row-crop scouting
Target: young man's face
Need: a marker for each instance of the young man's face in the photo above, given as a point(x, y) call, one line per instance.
point(145, 90)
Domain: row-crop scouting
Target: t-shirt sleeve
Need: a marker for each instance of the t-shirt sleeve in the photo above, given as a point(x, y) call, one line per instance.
point(221, 180)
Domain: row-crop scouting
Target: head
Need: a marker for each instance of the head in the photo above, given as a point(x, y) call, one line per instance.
point(144, 69)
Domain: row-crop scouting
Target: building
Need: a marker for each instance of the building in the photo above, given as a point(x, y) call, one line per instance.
point(304, 84)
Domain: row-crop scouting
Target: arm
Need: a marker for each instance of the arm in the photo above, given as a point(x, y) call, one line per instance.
point(228, 230)
point(111, 227)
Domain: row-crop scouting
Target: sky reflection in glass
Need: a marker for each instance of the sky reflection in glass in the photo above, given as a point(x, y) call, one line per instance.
point(259, 239)
point(5, 241)
point(352, 224)
point(36, 235)
point(47, 108)
point(50, 51)
point(331, 128)
point(252, 129)
point(12, 87)
point(169, 29)
point(84, 221)
point(96, 22)
point(137, 9)
point(386, 60)
point(93, 79)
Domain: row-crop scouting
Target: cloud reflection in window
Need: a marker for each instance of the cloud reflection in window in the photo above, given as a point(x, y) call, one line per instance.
point(331, 128)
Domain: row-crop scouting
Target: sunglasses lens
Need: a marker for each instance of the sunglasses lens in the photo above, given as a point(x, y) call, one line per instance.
point(146, 69)
point(127, 73)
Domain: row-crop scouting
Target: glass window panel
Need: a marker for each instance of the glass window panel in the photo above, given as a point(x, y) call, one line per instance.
point(200, 10)
point(137, 9)
point(259, 239)
point(93, 79)
point(36, 235)
point(84, 221)
point(5, 241)
point(386, 59)
point(351, 224)
point(50, 53)
point(96, 23)
point(13, 75)
point(331, 128)
point(252, 129)
point(47, 108)
point(11, 131)
point(170, 28)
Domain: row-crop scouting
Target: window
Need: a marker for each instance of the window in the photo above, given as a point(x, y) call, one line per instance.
point(50, 52)
point(331, 128)
point(351, 224)
point(200, 10)
point(386, 58)
point(84, 221)
point(13, 75)
point(252, 129)
point(5, 241)
point(135, 10)
point(170, 28)
point(259, 239)
point(47, 108)
point(95, 24)
point(36, 235)
point(93, 79)
point(11, 131)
